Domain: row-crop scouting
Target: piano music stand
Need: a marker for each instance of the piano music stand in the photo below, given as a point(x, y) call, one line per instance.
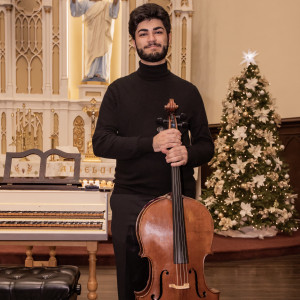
point(42, 179)
point(44, 183)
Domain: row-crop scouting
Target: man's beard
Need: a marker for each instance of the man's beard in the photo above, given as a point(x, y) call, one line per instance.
point(155, 56)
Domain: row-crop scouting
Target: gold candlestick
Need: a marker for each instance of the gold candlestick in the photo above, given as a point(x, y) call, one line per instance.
point(92, 111)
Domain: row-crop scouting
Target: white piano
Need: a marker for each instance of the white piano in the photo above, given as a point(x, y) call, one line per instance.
point(52, 212)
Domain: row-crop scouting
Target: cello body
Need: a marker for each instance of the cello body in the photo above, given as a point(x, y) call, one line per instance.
point(155, 235)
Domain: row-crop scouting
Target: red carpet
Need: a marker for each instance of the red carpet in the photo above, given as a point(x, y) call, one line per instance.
point(224, 248)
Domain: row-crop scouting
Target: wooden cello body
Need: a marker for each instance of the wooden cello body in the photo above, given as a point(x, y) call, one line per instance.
point(175, 234)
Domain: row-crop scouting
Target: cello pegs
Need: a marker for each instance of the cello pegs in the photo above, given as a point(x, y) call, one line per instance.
point(160, 121)
point(182, 117)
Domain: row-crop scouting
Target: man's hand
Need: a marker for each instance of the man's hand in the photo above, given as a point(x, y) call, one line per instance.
point(166, 139)
point(176, 156)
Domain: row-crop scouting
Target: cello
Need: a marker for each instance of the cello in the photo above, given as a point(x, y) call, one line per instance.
point(175, 233)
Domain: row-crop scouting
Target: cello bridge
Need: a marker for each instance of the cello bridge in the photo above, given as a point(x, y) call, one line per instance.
point(179, 287)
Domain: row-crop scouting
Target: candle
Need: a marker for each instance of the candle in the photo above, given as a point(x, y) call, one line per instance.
point(84, 182)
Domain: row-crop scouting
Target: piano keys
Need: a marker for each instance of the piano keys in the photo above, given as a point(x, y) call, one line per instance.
point(53, 215)
point(51, 224)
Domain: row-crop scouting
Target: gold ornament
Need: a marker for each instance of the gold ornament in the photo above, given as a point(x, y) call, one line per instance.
point(220, 215)
point(227, 148)
point(245, 114)
point(244, 185)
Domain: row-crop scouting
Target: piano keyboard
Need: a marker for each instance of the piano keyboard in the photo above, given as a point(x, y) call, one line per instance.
point(61, 215)
point(51, 224)
point(49, 214)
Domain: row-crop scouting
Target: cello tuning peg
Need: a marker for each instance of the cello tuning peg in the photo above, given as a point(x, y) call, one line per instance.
point(183, 125)
point(182, 116)
point(160, 121)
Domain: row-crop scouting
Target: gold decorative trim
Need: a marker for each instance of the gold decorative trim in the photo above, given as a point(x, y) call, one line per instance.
point(47, 9)
point(55, 135)
point(78, 134)
point(8, 7)
point(93, 94)
point(177, 13)
point(94, 83)
point(3, 134)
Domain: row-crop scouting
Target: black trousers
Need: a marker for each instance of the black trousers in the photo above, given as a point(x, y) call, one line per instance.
point(132, 270)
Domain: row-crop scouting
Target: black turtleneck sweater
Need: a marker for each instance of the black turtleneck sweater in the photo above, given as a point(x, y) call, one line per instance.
point(127, 123)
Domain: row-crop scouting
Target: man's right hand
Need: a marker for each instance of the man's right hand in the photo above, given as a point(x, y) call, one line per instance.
point(166, 139)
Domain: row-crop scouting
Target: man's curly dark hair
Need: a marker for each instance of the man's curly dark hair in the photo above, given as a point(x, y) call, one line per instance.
point(148, 11)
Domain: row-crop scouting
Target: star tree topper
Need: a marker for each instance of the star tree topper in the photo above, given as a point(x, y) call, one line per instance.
point(249, 57)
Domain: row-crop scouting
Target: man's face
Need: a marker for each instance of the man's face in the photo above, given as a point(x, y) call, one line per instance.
point(151, 42)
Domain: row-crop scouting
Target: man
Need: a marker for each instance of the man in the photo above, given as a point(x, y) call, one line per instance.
point(98, 15)
point(127, 131)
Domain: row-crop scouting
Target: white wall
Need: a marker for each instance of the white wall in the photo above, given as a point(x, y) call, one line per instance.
point(223, 29)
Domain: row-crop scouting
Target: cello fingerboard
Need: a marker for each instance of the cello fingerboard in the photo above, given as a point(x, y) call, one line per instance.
point(179, 235)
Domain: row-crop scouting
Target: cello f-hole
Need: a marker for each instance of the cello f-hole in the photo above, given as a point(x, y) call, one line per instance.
point(196, 284)
point(161, 285)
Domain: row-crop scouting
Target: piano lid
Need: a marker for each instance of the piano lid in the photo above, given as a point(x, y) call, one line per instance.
point(42, 181)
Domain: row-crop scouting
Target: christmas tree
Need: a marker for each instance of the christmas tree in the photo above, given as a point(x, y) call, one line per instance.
point(249, 185)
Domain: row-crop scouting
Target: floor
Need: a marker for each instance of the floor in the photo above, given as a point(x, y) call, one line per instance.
point(276, 278)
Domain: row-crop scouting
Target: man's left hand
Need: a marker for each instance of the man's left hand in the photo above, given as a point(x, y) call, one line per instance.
point(176, 156)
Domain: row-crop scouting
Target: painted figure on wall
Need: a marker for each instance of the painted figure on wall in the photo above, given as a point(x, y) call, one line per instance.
point(98, 20)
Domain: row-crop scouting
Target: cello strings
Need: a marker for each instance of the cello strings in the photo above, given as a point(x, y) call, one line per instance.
point(174, 183)
point(180, 255)
point(178, 221)
point(175, 220)
point(179, 232)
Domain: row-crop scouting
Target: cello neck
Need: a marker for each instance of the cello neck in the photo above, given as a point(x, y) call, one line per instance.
point(179, 237)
